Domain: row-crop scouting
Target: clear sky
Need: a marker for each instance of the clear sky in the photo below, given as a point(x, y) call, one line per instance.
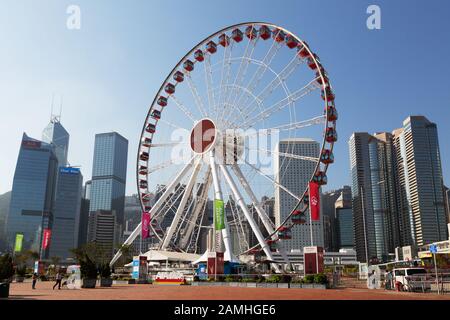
point(109, 71)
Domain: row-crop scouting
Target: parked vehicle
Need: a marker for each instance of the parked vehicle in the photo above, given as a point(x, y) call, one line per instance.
point(411, 279)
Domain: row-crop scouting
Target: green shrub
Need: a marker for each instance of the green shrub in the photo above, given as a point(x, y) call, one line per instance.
point(320, 278)
point(6, 267)
point(309, 278)
point(21, 271)
point(104, 270)
point(229, 278)
point(274, 278)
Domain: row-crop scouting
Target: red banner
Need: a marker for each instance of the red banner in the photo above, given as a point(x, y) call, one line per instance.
point(46, 238)
point(314, 201)
point(145, 232)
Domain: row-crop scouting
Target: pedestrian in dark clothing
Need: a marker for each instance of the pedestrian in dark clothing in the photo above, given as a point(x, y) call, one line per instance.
point(34, 278)
point(58, 281)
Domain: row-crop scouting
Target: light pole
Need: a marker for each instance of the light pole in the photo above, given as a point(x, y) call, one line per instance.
point(364, 223)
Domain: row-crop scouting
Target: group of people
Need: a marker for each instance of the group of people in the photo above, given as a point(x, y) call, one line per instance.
point(58, 278)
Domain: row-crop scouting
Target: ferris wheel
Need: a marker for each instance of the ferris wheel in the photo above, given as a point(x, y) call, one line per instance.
point(228, 125)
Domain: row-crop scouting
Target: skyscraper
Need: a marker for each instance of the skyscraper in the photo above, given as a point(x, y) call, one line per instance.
point(368, 210)
point(31, 207)
point(66, 217)
point(294, 174)
point(55, 134)
point(84, 214)
point(107, 193)
point(109, 174)
point(419, 156)
point(345, 236)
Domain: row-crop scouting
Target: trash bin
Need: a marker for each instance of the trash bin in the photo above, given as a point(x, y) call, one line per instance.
point(4, 289)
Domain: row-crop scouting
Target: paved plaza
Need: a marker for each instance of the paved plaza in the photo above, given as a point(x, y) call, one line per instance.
point(23, 291)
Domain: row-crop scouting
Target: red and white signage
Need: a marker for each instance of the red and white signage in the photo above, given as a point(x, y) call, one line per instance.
point(145, 232)
point(46, 238)
point(313, 260)
point(314, 201)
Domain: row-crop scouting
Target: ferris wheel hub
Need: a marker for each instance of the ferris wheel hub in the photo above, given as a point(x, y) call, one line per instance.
point(203, 136)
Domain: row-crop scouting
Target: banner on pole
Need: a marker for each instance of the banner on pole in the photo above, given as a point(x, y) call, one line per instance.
point(314, 201)
point(46, 238)
point(19, 242)
point(145, 231)
point(219, 215)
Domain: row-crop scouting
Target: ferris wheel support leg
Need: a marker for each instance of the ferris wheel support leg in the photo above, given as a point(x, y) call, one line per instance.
point(260, 210)
point(225, 235)
point(137, 231)
point(182, 205)
point(238, 197)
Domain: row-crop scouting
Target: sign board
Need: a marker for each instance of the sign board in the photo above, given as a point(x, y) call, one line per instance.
point(39, 267)
point(74, 280)
point(46, 238)
point(313, 260)
point(433, 248)
point(143, 268)
point(135, 271)
point(69, 170)
point(219, 215)
point(19, 242)
point(314, 201)
point(215, 263)
point(374, 277)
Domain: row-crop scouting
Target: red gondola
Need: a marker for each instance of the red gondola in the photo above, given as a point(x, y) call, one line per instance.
point(330, 135)
point(170, 88)
point(254, 251)
point(303, 50)
point(278, 35)
point(330, 94)
point(178, 76)
point(211, 47)
point(319, 78)
point(298, 217)
point(144, 156)
point(264, 32)
point(156, 114)
point(327, 157)
point(151, 128)
point(143, 184)
point(143, 170)
point(198, 55)
point(320, 178)
point(251, 32)
point(332, 114)
point(237, 35)
point(145, 198)
point(224, 40)
point(272, 245)
point(291, 42)
point(146, 142)
point(162, 101)
point(311, 63)
point(284, 233)
point(188, 65)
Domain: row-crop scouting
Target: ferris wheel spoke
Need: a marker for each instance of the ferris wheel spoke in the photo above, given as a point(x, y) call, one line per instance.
point(273, 181)
point(200, 203)
point(194, 91)
point(160, 166)
point(137, 231)
point(183, 108)
point(260, 71)
point(293, 97)
point(279, 79)
point(239, 199)
point(181, 207)
point(242, 70)
point(209, 86)
point(172, 125)
point(283, 154)
point(225, 74)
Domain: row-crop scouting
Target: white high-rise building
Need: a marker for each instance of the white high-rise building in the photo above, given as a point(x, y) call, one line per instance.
point(294, 175)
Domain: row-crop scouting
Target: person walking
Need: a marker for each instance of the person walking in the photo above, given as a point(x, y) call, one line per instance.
point(34, 279)
point(58, 280)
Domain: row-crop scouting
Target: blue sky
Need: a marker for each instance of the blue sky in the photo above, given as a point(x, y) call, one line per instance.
point(109, 71)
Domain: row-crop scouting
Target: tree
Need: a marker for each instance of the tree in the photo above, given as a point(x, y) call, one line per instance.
point(6, 267)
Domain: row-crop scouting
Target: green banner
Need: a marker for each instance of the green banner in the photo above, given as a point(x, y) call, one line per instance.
point(19, 241)
point(219, 215)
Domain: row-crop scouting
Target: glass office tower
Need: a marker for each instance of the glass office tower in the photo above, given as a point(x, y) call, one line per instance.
point(109, 173)
point(33, 193)
point(55, 134)
point(66, 216)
